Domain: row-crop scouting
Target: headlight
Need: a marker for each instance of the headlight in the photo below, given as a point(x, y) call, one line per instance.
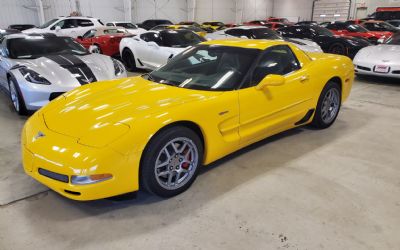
point(33, 77)
point(118, 67)
point(83, 180)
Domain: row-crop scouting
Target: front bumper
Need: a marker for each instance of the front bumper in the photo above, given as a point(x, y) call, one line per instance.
point(369, 69)
point(62, 156)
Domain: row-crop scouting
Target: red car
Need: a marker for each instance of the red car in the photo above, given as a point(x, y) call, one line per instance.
point(279, 20)
point(275, 25)
point(104, 40)
point(355, 30)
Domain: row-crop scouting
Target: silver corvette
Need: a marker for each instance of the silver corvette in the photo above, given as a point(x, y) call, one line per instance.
point(380, 60)
point(35, 69)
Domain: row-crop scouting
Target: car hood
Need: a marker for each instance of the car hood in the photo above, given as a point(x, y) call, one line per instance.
point(379, 53)
point(34, 30)
point(58, 71)
point(106, 104)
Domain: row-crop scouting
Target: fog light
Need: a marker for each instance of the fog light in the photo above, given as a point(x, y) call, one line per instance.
point(83, 180)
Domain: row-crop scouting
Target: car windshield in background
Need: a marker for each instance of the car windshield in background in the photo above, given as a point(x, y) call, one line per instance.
point(356, 28)
point(203, 67)
point(192, 28)
point(321, 31)
point(127, 25)
point(214, 24)
point(164, 22)
point(47, 24)
point(34, 47)
point(265, 34)
point(180, 39)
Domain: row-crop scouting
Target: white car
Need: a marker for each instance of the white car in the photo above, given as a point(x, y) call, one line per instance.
point(35, 69)
point(130, 27)
point(153, 49)
point(67, 26)
point(380, 60)
point(260, 32)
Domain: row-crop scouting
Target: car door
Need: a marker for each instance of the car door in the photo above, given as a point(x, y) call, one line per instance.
point(147, 47)
point(274, 108)
point(3, 66)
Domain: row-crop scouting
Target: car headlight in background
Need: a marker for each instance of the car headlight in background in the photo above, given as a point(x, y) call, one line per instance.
point(119, 68)
point(33, 77)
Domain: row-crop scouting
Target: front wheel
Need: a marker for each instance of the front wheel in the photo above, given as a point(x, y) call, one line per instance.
point(171, 161)
point(16, 98)
point(328, 106)
point(95, 49)
point(338, 49)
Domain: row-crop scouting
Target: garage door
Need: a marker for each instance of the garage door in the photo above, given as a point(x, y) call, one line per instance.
point(326, 10)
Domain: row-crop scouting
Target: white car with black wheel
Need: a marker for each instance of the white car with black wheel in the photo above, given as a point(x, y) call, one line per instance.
point(35, 69)
point(260, 32)
point(67, 26)
point(153, 49)
point(130, 27)
point(380, 60)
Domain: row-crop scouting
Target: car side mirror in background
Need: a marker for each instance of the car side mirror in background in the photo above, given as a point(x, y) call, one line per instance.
point(271, 80)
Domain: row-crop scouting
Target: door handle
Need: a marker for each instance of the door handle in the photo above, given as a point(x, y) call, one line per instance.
point(304, 78)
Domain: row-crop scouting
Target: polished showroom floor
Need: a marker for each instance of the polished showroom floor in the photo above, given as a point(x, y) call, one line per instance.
point(304, 189)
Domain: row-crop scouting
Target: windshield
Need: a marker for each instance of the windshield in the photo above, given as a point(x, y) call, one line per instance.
point(356, 28)
point(320, 31)
point(34, 47)
point(380, 27)
point(180, 39)
point(47, 24)
point(214, 24)
point(163, 22)
point(192, 28)
point(265, 34)
point(205, 67)
point(115, 31)
point(127, 25)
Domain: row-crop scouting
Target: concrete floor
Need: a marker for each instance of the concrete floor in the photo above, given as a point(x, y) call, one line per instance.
point(303, 189)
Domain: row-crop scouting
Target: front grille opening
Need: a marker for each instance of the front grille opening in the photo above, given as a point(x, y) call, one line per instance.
point(396, 72)
point(54, 176)
point(54, 95)
point(363, 68)
point(72, 192)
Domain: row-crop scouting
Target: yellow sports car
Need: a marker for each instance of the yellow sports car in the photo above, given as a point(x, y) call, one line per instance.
point(213, 25)
point(154, 131)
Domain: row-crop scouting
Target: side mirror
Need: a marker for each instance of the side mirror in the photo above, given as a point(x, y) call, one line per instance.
point(58, 28)
point(271, 80)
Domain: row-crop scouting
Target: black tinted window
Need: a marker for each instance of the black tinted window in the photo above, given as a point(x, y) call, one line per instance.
point(89, 34)
point(151, 37)
point(180, 39)
point(84, 23)
point(237, 33)
point(278, 60)
point(65, 24)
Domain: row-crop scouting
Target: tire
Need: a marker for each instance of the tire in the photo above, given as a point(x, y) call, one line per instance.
point(338, 48)
point(96, 49)
point(16, 97)
point(328, 106)
point(175, 173)
point(129, 60)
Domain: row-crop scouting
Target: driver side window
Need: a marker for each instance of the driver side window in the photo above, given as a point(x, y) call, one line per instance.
point(277, 60)
point(151, 37)
point(65, 24)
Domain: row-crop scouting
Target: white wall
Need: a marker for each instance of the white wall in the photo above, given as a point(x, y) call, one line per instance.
point(174, 10)
point(215, 10)
point(105, 10)
point(294, 10)
point(255, 9)
point(55, 8)
point(16, 12)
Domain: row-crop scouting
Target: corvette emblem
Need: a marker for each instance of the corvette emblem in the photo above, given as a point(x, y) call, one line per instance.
point(39, 135)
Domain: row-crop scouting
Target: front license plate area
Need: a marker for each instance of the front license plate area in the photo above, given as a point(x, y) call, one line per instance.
point(381, 69)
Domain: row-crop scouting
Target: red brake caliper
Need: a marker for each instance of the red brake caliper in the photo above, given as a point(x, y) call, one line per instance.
point(186, 165)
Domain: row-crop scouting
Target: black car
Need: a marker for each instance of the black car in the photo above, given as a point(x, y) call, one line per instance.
point(21, 27)
point(329, 43)
point(5, 32)
point(151, 23)
point(395, 23)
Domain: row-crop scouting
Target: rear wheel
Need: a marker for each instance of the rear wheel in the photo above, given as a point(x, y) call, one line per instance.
point(338, 49)
point(16, 98)
point(171, 161)
point(328, 106)
point(129, 60)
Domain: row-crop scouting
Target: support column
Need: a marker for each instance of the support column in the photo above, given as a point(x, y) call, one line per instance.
point(39, 6)
point(128, 10)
